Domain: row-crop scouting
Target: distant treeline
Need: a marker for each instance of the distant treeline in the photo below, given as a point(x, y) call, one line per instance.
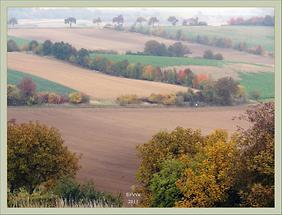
point(263, 21)
point(83, 58)
point(220, 42)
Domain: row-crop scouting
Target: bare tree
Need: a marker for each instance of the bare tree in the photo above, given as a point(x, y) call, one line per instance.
point(173, 20)
point(119, 20)
point(97, 21)
point(13, 21)
point(70, 21)
point(140, 20)
point(152, 21)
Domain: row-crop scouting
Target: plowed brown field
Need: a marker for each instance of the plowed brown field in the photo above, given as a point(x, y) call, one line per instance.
point(107, 39)
point(108, 137)
point(92, 83)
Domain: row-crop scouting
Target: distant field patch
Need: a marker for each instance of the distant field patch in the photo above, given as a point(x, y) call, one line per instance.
point(14, 77)
point(262, 82)
point(161, 61)
point(251, 35)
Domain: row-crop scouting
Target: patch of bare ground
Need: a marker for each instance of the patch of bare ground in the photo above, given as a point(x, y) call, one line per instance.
point(94, 84)
point(107, 138)
point(107, 39)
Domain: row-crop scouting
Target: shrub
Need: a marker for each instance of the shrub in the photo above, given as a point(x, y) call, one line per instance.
point(128, 99)
point(36, 154)
point(74, 193)
point(153, 47)
point(32, 45)
point(179, 100)
point(27, 87)
point(12, 46)
point(255, 95)
point(47, 199)
point(38, 50)
point(178, 50)
point(218, 56)
point(78, 98)
point(54, 98)
point(13, 95)
point(169, 99)
point(155, 98)
point(257, 50)
point(242, 46)
point(47, 47)
point(208, 54)
point(42, 97)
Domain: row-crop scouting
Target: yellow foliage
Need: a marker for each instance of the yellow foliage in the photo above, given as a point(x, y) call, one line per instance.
point(128, 99)
point(212, 175)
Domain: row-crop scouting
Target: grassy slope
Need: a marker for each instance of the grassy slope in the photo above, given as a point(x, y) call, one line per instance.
point(14, 77)
point(160, 60)
point(252, 35)
point(263, 82)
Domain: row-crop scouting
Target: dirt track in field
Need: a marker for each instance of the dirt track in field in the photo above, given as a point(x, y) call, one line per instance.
point(107, 137)
point(106, 39)
point(96, 85)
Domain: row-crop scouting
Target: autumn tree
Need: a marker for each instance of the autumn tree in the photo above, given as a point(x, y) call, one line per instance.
point(148, 72)
point(70, 21)
point(256, 144)
point(163, 184)
point(210, 175)
point(164, 146)
point(173, 20)
point(36, 154)
point(27, 87)
point(225, 90)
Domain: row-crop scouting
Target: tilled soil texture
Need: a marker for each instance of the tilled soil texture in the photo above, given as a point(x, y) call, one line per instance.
point(107, 39)
point(107, 138)
point(94, 84)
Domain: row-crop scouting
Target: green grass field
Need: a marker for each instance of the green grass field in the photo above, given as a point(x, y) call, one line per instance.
point(252, 35)
point(160, 61)
point(262, 82)
point(20, 41)
point(14, 77)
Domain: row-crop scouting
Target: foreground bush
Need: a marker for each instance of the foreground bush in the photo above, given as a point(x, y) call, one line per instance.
point(75, 193)
point(128, 99)
point(184, 168)
point(36, 154)
point(48, 199)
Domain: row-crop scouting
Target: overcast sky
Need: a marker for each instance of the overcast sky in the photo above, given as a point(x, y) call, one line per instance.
point(213, 15)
